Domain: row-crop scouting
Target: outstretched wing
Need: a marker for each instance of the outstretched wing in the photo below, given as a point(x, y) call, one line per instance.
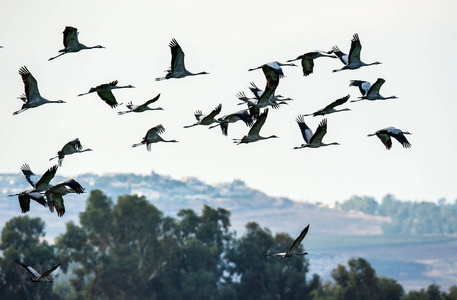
point(70, 37)
point(374, 89)
point(30, 84)
point(320, 132)
point(46, 274)
point(152, 100)
point(337, 102)
point(297, 242)
point(356, 47)
point(305, 130)
point(28, 268)
point(177, 57)
point(29, 175)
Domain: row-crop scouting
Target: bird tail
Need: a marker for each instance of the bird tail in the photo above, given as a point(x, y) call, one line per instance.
point(19, 111)
point(57, 56)
point(123, 112)
point(137, 145)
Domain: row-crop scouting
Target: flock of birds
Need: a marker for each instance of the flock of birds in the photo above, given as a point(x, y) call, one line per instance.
point(254, 116)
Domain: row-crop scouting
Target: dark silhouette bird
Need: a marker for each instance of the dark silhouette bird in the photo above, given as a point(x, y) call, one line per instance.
point(307, 60)
point(37, 277)
point(141, 108)
point(273, 72)
point(104, 92)
point(71, 147)
point(242, 115)
point(370, 92)
point(331, 107)
point(71, 43)
point(206, 120)
point(25, 196)
point(177, 69)
point(352, 61)
point(313, 140)
point(55, 194)
point(385, 136)
point(254, 133)
point(293, 251)
point(32, 97)
point(152, 136)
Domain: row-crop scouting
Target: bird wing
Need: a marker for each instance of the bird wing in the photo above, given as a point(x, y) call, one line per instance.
point(320, 132)
point(43, 183)
point(177, 57)
point(354, 53)
point(255, 129)
point(108, 97)
point(38, 197)
point(374, 89)
point(307, 66)
point(24, 202)
point(297, 242)
point(46, 274)
point(337, 102)
point(198, 115)
point(266, 96)
point(215, 111)
point(341, 55)
point(29, 175)
point(277, 254)
point(30, 83)
point(272, 74)
point(364, 86)
point(245, 116)
point(70, 37)
point(73, 185)
point(151, 101)
point(154, 132)
point(58, 204)
point(399, 136)
point(255, 90)
point(28, 268)
point(385, 138)
point(76, 143)
point(305, 130)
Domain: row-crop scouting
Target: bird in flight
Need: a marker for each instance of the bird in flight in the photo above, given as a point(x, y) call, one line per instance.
point(293, 251)
point(307, 60)
point(141, 108)
point(71, 147)
point(273, 72)
point(313, 140)
point(206, 120)
point(385, 136)
point(254, 133)
point(370, 92)
point(71, 43)
point(55, 194)
point(104, 92)
point(32, 97)
point(329, 109)
point(37, 277)
point(152, 136)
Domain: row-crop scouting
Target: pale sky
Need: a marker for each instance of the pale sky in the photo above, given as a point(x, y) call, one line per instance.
point(416, 44)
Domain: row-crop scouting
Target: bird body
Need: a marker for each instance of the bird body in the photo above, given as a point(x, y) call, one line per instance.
point(104, 91)
point(177, 69)
point(206, 120)
point(293, 250)
point(331, 107)
point(71, 147)
point(242, 115)
point(32, 97)
point(254, 133)
point(37, 277)
point(55, 194)
point(307, 60)
point(352, 61)
point(312, 140)
point(71, 43)
point(141, 108)
point(273, 72)
point(152, 136)
point(370, 92)
point(385, 136)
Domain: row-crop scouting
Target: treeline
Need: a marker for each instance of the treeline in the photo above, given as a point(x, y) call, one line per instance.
point(408, 218)
point(130, 250)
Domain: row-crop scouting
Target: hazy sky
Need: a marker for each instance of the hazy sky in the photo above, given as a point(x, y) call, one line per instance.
point(415, 43)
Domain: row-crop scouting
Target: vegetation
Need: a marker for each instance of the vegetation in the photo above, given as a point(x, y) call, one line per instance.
point(131, 250)
point(408, 218)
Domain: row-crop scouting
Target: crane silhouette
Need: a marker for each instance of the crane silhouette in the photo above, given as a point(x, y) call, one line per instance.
point(152, 136)
point(307, 60)
point(293, 250)
point(312, 140)
point(141, 108)
point(55, 194)
point(32, 97)
point(352, 61)
point(329, 109)
point(254, 133)
point(206, 120)
point(71, 43)
point(37, 277)
point(177, 68)
point(370, 92)
point(71, 147)
point(104, 91)
point(273, 72)
point(224, 121)
point(385, 135)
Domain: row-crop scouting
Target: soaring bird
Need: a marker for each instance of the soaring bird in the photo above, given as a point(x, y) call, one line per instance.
point(242, 115)
point(307, 60)
point(37, 277)
point(177, 69)
point(352, 61)
point(71, 147)
point(273, 72)
point(55, 194)
point(206, 120)
point(71, 43)
point(370, 92)
point(313, 140)
point(32, 97)
point(253, 134)
point(104, 92)
point(141, 108)
point(152, 136)
point(293, 251)
point(331, 107)
point(385, 136)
